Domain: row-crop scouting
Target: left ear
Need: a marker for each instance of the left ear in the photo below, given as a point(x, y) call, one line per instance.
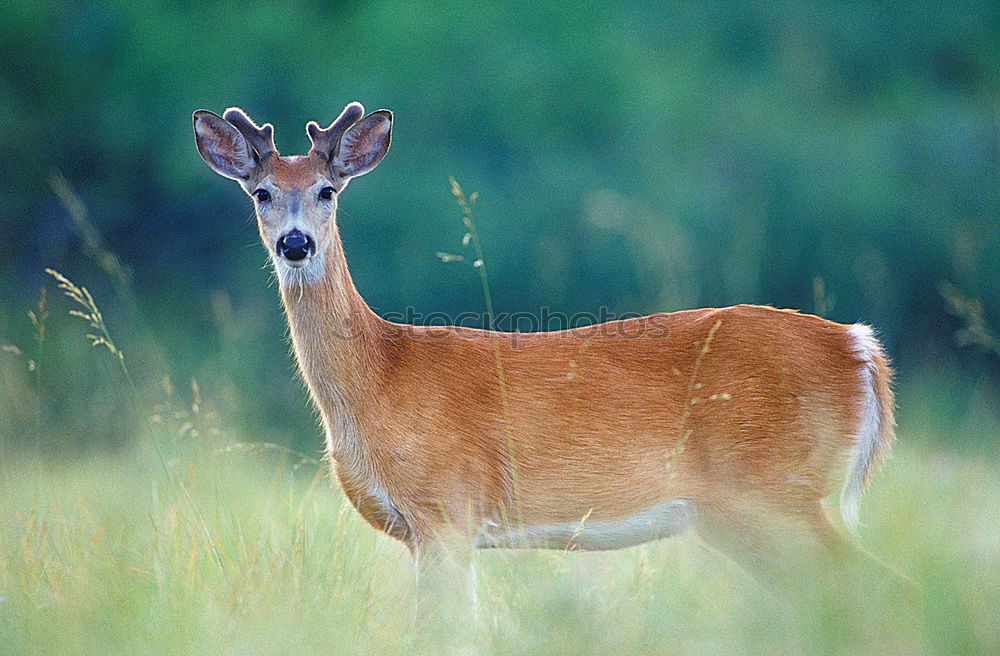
point(363, 145)
point(223, 147)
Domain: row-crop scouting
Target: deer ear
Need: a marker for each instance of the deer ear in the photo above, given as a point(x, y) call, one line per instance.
point(223, 147)
point(363, 145)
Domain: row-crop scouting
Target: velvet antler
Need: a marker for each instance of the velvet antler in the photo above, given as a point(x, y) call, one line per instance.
point(260, 138)
point(326, 141)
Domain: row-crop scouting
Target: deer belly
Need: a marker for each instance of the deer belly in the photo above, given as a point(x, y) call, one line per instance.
point(589, 534)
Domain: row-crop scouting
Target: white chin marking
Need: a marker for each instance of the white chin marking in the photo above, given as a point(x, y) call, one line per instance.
point(660, 521)
point(297, 273)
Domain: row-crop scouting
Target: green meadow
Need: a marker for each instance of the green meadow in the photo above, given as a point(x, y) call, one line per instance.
point(248, 550)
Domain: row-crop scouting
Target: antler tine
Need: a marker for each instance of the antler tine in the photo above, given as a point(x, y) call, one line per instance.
point(325, 141)
point(260, 138)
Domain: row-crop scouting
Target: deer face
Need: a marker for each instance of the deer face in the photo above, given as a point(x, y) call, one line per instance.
point(295, 198)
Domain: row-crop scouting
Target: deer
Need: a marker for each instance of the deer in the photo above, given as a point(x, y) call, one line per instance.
point(740, 423)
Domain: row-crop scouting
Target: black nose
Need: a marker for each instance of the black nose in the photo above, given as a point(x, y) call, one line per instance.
point(295, 246)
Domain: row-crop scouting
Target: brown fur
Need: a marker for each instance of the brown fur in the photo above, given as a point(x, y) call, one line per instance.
point(754, 427)
point(593, 420)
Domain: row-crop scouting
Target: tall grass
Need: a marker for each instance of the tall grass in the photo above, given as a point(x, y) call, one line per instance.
point(100, 556)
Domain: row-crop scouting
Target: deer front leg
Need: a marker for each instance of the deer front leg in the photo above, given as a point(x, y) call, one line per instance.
point(446, 596)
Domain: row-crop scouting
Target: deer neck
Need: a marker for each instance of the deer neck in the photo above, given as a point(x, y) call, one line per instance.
point(335, 336)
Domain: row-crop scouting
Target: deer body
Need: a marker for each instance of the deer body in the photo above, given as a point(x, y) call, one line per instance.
point(735, 421)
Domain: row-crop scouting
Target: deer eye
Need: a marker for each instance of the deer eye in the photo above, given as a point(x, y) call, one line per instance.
point(326, 193)
point(262, 195)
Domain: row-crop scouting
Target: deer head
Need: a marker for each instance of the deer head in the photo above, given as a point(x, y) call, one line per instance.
point(295, 197)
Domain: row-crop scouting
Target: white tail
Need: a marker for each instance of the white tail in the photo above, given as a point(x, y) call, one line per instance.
point(875, 432)
point(735, 421)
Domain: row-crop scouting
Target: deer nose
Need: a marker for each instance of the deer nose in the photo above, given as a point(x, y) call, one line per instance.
point(295, 246)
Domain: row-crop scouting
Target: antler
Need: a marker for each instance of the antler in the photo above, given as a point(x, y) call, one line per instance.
point(325, 141)
point(260, 138)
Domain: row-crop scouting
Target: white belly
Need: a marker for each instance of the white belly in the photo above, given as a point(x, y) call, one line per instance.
point(660, 521)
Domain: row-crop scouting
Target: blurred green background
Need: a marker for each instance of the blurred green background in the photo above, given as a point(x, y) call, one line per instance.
point(841, 159)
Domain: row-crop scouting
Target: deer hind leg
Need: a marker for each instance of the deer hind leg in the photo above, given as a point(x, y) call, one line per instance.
point(795, 548)
point(746, 537)
point(777, 545)
point(857, 565)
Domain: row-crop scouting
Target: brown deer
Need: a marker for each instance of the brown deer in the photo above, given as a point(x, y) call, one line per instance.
point(737, 422)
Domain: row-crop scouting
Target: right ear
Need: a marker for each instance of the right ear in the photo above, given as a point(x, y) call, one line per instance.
point(363, 145)
point(223, 147)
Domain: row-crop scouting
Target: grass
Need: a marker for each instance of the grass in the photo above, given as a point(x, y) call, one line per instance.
point(102, 556)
